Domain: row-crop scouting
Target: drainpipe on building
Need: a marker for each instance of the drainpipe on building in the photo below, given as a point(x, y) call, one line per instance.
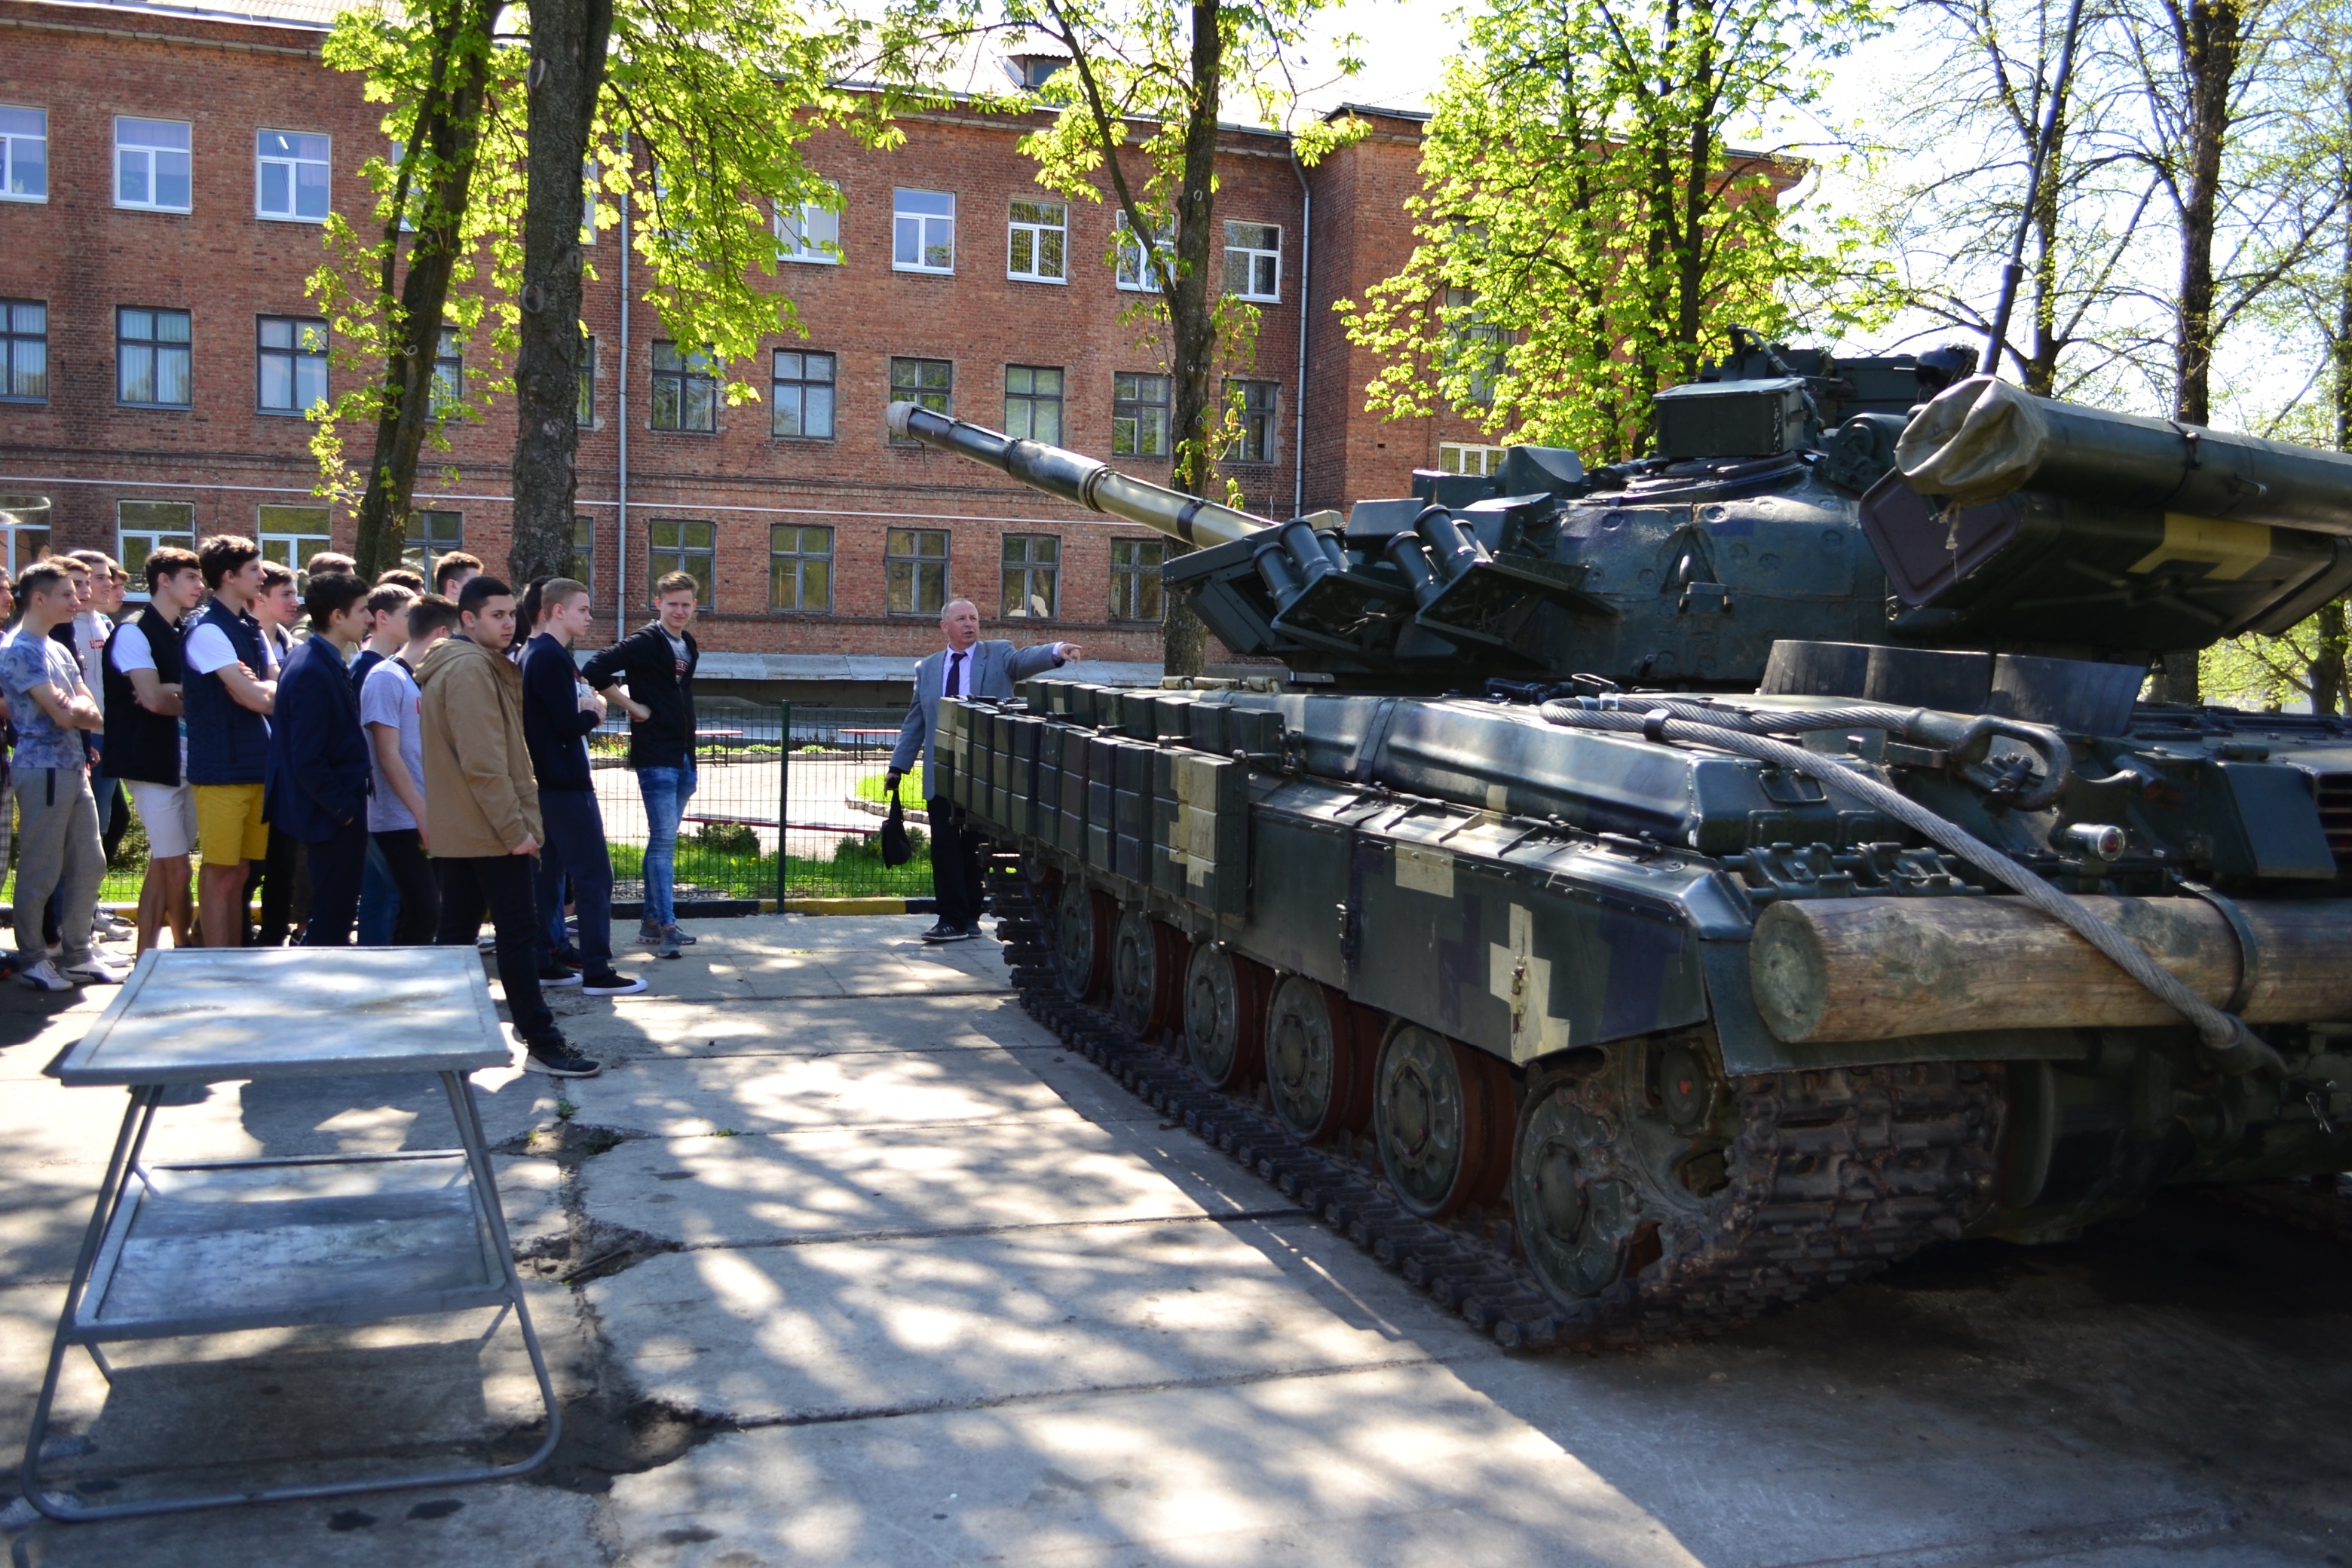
point(1305, 257)
point(621, 538)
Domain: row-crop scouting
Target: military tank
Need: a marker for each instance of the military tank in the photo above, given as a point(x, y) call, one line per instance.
point(1644, 895)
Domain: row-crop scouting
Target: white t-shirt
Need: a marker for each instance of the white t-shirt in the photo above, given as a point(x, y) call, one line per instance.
point(389, 696)
point(209, 650)
point(90, 629)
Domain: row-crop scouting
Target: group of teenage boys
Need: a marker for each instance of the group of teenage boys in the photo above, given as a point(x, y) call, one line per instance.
point(417, 761)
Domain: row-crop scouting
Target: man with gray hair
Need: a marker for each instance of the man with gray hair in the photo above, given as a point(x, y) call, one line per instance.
point(967, 666)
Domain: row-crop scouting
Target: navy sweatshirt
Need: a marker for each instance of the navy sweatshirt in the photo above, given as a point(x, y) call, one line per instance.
point(553, 725)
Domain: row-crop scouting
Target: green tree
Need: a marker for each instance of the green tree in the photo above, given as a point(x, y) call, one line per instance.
point(693, 110)
point(1153, 77)
point(1586, 232)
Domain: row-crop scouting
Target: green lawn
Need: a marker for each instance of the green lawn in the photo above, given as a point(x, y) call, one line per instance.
point(910, 790)
point(854, 870)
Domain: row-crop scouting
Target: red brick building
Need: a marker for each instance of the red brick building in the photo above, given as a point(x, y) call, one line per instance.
point(162, 174)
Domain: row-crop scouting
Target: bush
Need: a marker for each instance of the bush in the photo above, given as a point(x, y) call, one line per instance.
point(727, 837)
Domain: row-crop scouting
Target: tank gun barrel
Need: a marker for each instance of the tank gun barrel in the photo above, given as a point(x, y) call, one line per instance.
point(1096, 486)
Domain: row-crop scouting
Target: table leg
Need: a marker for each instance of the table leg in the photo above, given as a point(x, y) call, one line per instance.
point(477, 1156)
point(137, 1117)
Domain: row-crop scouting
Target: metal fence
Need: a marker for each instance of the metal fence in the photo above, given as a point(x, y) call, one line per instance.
point(788, 803)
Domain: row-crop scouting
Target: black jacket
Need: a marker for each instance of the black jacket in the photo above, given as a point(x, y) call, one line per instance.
point(318, 759)
point(553, 722)
point(644, 663)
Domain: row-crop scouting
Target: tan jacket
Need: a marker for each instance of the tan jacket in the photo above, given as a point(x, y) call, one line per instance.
point(479, 797)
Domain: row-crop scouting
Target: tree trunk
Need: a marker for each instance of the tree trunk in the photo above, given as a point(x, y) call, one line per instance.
point(2042, 366)
point(568, 43)
point(450, 123)
point(1192, 317)
point(2211, 38)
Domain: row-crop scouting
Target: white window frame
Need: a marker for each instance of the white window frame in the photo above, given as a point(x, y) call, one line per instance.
point(808, 234)
point(587, 201)
point(9, 141)
point(151, 151)
point(1015, 226)
point(1469, 458)
point(293, 164)
point(901, 215)
point(1253, 258)
point(1129, 273)
point(293, 554)
point(154, 538)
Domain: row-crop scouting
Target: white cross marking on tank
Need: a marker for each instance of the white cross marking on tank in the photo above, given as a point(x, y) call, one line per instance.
point(1523, 983)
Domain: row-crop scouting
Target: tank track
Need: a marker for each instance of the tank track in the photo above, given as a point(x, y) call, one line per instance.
point(1833, 1176)
point(2321, 1205)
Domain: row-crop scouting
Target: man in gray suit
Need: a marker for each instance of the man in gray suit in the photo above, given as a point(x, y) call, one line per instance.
point(967, 666)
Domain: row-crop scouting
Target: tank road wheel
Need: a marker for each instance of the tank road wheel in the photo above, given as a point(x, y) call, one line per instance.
point(1224, 1016)
point(1314, 1073)
point(1140, 977)
point(1082, 927)
point(1442, 1118)
point(1613, 1162)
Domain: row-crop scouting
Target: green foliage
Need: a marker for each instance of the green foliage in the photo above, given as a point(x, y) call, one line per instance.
point(408, 57)
point(1586, 233)
point(2303, 669)
point(705, 107)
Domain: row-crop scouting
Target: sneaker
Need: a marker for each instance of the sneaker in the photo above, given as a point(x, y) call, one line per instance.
point(487, 942)
point(940, 932)
point(44, 977)
point(962, 934)
point(666, 945)
point(557, 1059)
point(556, 977)
point(677, 938)
point(611, 985)
point(112, 927)
point(649, 934)
point(96, 971)
point(569, 957)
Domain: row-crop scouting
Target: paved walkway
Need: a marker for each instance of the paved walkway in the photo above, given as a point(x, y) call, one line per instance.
point(845, 1261)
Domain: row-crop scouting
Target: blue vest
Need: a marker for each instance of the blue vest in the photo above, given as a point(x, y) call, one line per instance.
point(227, 743)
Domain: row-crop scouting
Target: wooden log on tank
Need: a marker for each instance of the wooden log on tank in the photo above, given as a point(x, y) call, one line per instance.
point(1878, 969)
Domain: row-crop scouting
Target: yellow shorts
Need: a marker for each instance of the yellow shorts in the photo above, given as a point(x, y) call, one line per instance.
point(228, 824)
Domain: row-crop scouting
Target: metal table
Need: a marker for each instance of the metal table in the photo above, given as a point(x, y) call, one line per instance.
point(217, 1246)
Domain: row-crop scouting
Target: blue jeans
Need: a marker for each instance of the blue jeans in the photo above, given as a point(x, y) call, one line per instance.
point(667, 791)
point(379, 900)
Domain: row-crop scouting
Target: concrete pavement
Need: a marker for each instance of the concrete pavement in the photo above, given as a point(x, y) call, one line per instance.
point(845, 1260)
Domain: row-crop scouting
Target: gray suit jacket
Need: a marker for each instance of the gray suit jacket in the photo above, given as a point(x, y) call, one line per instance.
point(991, 671)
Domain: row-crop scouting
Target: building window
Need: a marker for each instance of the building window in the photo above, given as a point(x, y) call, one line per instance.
point(290, 535)
point(432, 535)
point(150, 164)
point(923, 235)
point(1040, 241)
point(289, 178)
point(675, 544)
point(587, 201)
point(583, 413)
point(24, 351)
point(1253, 402)
point(1131, 273)
point(1473, 346)
point(809, 232)
point(685, 395)
point(291, 361)
point(1253, 261)
point(151, 357)
point(915, 569)
point(799, 568)
point(1139, 415)
point(448, 375)
point(1458, 458)
point(23, 155)
point(803, 391)
point(143, 527)
point(927, 383)
point(583, 552)
point(1032, 403)
point(1033, 570)
point(1135, 578)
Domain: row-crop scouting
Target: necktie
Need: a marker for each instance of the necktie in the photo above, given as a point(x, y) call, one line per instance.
point(955, 675)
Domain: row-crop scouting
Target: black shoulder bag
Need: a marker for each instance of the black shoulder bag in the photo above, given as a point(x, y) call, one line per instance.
point(896, 850)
